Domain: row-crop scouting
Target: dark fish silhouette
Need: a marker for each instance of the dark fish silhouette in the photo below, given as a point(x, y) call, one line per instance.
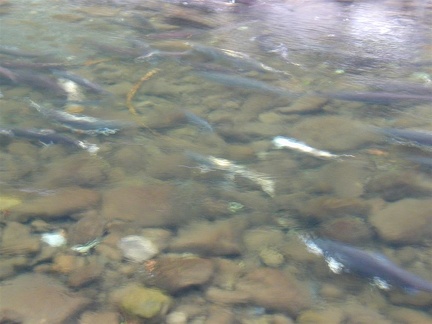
point(48, 137)
point(415, 137)
point(80, 80)
point(81, 123)
point(232, 80)
point(369, 264)
point(202, 124)
point(384, 98)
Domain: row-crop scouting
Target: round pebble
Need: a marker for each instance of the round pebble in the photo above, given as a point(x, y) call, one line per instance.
point(137, 248)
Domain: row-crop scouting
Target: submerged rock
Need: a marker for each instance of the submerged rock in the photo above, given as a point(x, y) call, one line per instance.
point(86, 229)
point(274, 290)
point(404, 221)
point(142, 302)
point(347, 229)
point(37, 298)
point(394, 185)
point(146, 206)
point(324, 207)
point(17, 240)
point(62, 203)
point(268, 288)
point(176, 273)
point(137, 248)
point(211, 238)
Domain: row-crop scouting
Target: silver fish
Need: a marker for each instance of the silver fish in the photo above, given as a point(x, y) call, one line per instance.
point(233, 80)
point(365, 263)
point(48, 137)
point(79, 80)
point(284, 142)
point(81, 123)
point(235, 59)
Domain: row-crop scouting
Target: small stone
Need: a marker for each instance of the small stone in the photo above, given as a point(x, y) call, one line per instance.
point(64, 263)
point(176, 273)
point(176, 318)
point(137, 248)
point(55, 239)
point(142, 302)
point(271, 258)
point(86, 229)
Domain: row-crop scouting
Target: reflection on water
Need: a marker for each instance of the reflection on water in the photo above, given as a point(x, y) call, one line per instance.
point(161, 122)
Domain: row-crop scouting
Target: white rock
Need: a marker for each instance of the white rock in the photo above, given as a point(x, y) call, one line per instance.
point(54, 239)
point(137, 248)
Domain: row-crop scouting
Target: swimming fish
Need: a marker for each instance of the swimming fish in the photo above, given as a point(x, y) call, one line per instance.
point(413, 137)
point(202, 124)
point(372, 265)
point(284, 142)
point(236, 59)
point(233, 80)
point(208, 163)
point(81, 123)
point(383, 98)
point(79, 80)
point(48, 137)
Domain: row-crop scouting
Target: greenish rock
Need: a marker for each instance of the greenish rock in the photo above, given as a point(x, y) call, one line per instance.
point(144, 302)
point(8, 202)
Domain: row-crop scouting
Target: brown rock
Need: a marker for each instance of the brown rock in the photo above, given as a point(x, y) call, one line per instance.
point(86, 229)
point(175, 273)
point(419, 299)
point(227, 273)
point(62, 203)
point(64, 263)
point(321, 316)
point(346, 229)
point(328, 206)
point(304, 105)
point(257, 239)
point(273, 289)
point(410, 316)
point(356, 313)
point(37, 298)
point(393, 186)
point(102, 317)
point(227, 297)
point(218, 315)
point(206, 238)
point(130, 159)
point(82, 170)
point(405, 221)
point(8, 266)
point(23, 246)
point(145, 206)
point(16, 239)
point(85, 274)
point(343, 178)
